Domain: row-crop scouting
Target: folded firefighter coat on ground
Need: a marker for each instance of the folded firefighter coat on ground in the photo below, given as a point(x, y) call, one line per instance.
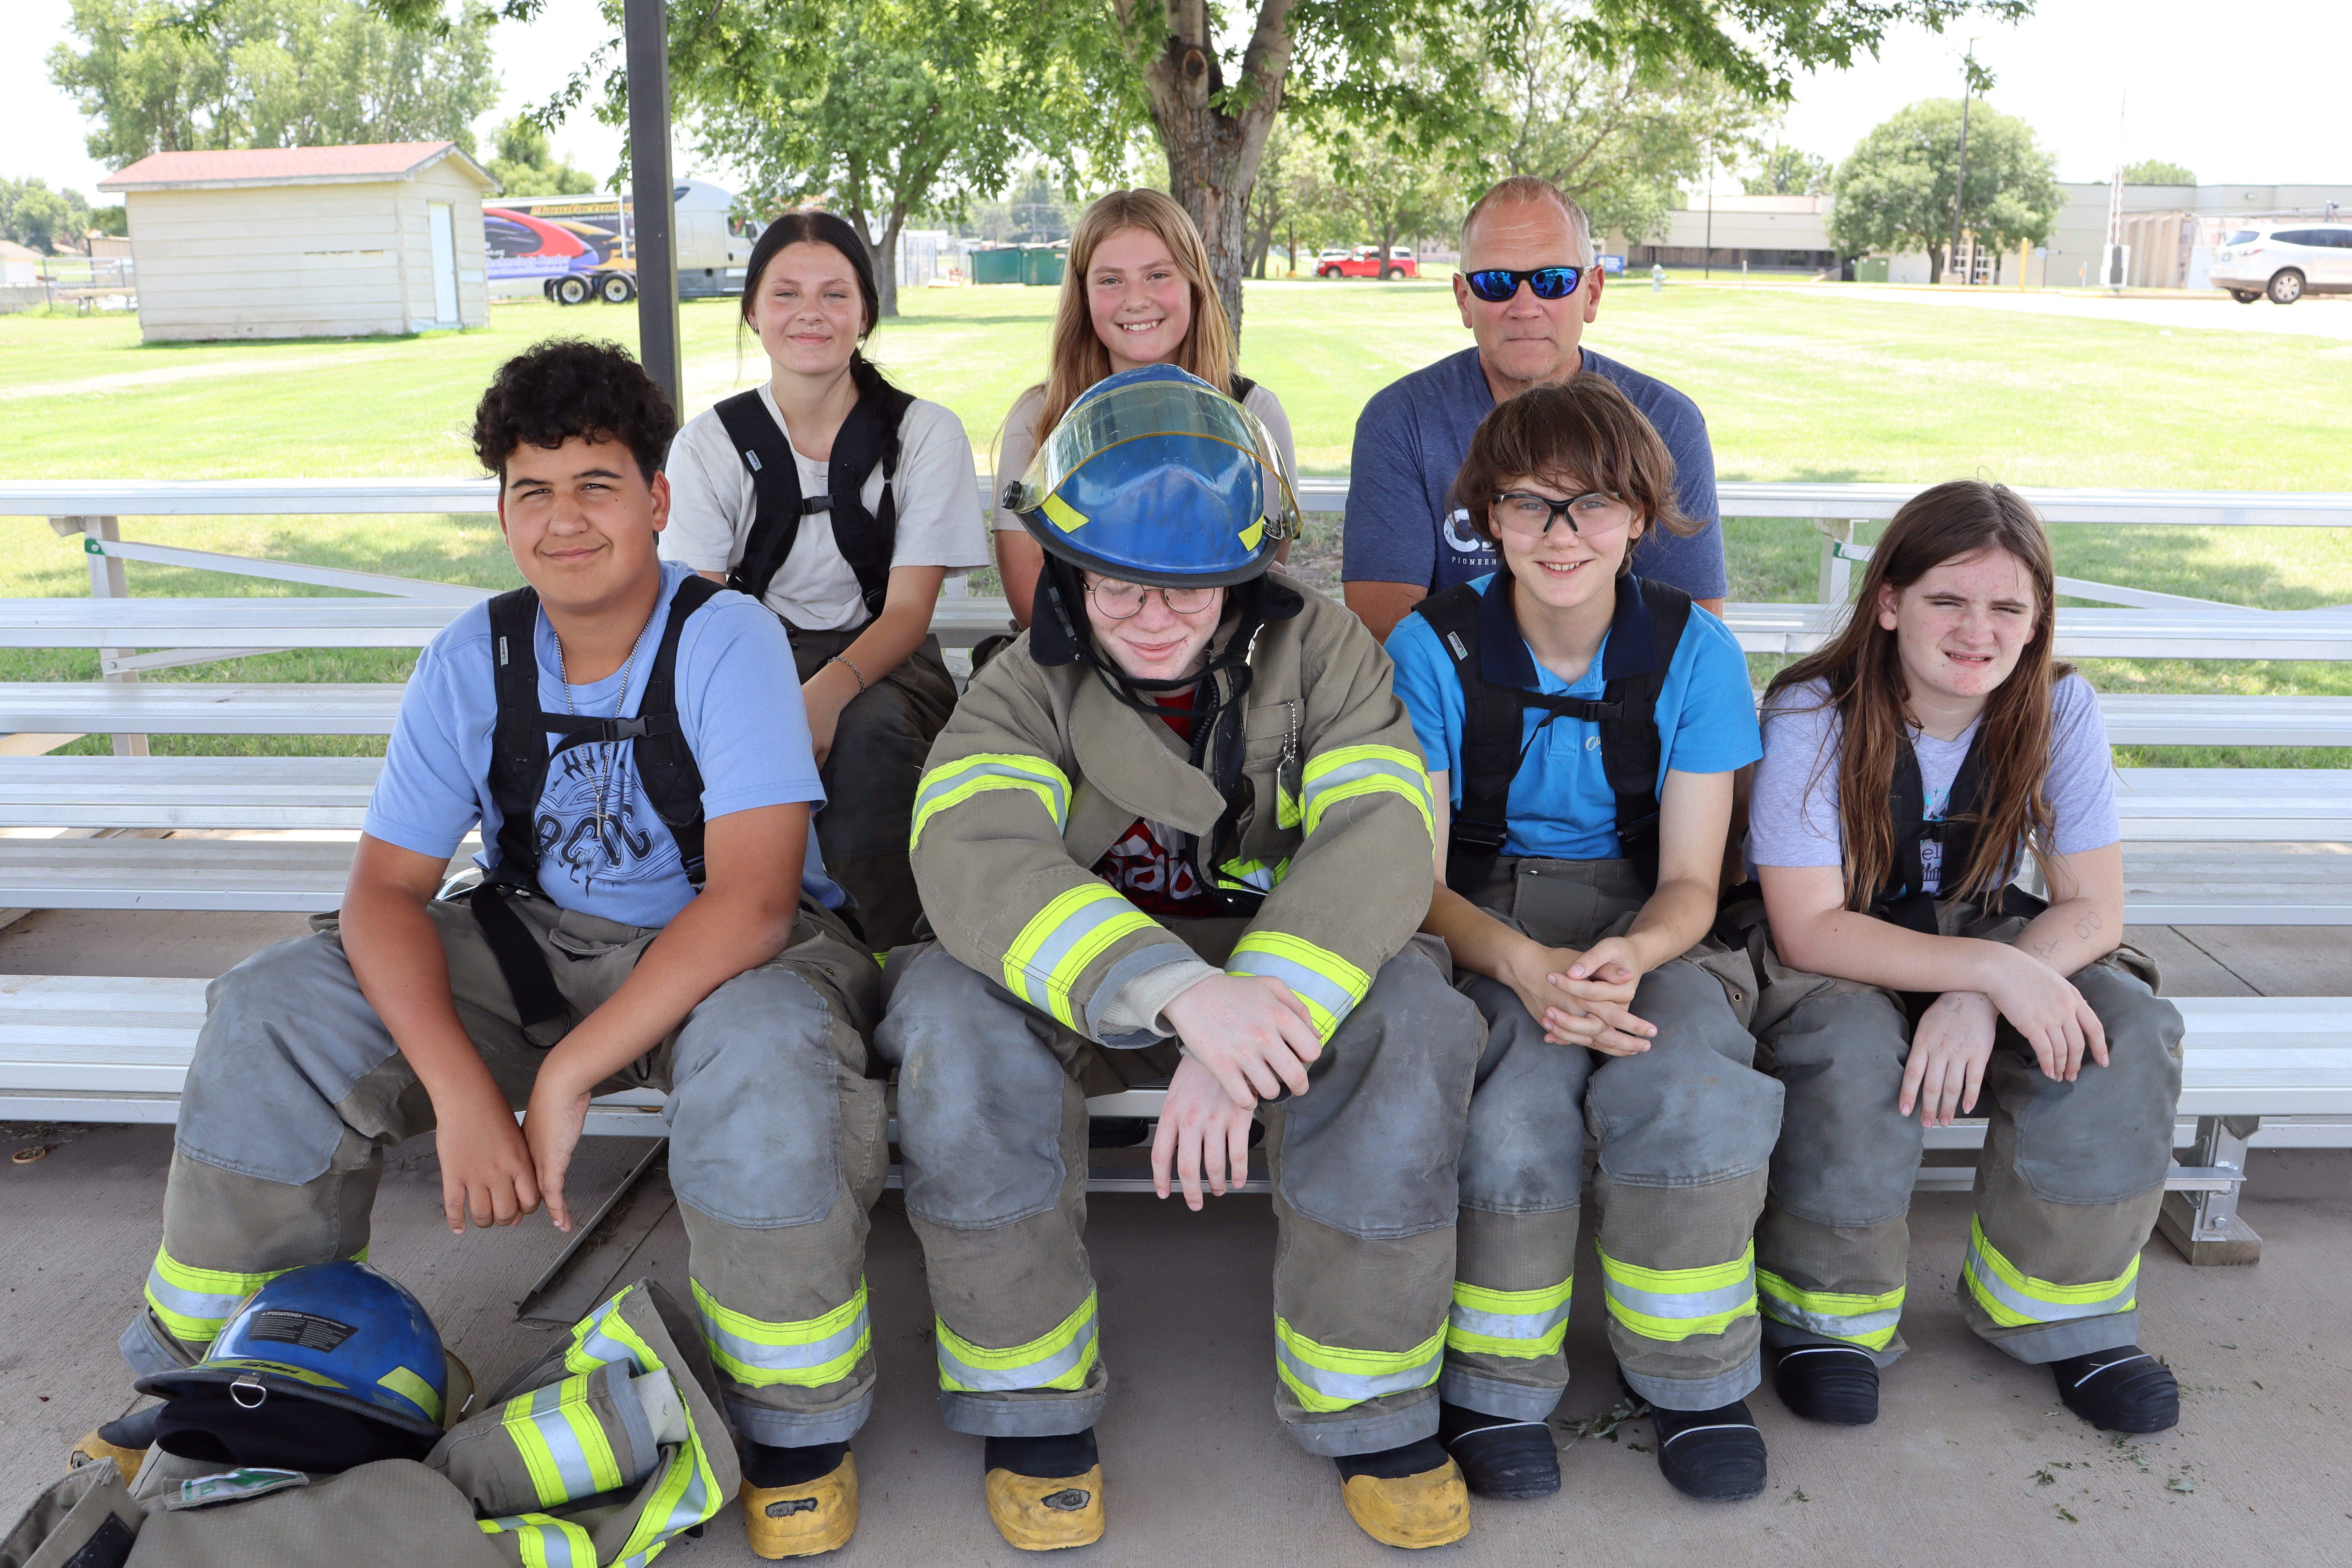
point(600, 1454)
point(1323, 854)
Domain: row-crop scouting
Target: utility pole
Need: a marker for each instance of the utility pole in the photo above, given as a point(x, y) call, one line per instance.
point(645, 27)
point(1706, 259)
point(1960, 187)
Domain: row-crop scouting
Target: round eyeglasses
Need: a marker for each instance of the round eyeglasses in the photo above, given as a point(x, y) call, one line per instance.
point(1530, 516)
point(1120, 601)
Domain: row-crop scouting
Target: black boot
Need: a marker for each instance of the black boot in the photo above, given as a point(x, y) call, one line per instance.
point(1499, 1456)
point(1714, 1455)
point(1835, 1383)
point(2122, 1389)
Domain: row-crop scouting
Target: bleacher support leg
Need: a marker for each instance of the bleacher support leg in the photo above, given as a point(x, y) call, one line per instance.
point(107, 582)
point(2206, 1227)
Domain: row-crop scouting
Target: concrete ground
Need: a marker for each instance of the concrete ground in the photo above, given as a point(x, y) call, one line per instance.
point(1972, 1462)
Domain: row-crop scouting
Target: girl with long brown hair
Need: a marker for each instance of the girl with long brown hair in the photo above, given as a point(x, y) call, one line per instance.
point(1909, 767)
point(1137, 291)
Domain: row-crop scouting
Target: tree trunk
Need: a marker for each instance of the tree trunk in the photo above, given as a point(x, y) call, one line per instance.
point(1214, 148)
point(1935, 264)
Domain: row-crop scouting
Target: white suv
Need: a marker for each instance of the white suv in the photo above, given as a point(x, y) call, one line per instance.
point(2285, 260)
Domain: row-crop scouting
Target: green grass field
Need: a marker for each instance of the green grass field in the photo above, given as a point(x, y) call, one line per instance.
point(1796, 385)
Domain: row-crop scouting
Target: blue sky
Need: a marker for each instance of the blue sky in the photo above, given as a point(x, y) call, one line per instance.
point(2222, 99)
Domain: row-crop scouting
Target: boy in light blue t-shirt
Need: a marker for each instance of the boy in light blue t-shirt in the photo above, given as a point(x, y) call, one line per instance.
point(1583, 726)
point(652, 914)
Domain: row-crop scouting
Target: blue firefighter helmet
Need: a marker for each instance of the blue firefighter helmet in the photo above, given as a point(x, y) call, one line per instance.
point(339, 1333)
point(1156, 477)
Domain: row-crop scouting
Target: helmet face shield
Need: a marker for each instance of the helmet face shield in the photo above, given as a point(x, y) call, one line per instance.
point(1159, 476)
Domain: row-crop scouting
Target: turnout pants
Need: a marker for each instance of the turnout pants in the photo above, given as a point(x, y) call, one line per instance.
point(776, 1143)
point(1685, 1131)
point(993, 1134)
point(870, 778)
point(2066, 1190)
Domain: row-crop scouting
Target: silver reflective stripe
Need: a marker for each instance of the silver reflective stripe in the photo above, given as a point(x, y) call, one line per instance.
point(1311, 985)
point(1354, 1387)
point(562, 1444)
point(1834, 1326)
point(561, 1547)
point(943, 782)
point(1012, 1379)
point(785, 1358)
point(1506, 1325)
point(1076, 927)
point(1684, 1303)
point(1416, 783)
point(214, 1310)
point(1981, 1275)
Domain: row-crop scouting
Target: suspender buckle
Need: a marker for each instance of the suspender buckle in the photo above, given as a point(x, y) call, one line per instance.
point(1478, 837)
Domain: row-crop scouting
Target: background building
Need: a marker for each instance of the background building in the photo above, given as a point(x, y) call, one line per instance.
point(307, 242)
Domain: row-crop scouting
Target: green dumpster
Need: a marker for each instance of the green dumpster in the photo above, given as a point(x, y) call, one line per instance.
point(1872, 269)
point(996, 264)
point(1041, 265)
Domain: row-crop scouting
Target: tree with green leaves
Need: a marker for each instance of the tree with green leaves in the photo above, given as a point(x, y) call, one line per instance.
point(2157, 171)
point(1788, 172)
point(37, 217)
point(1895, 190)
point(525, 163)
point(269, 73)
point(1620, 136)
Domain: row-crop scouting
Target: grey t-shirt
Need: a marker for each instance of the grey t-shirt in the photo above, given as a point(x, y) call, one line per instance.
point(1792, 815)
point(1409, 442)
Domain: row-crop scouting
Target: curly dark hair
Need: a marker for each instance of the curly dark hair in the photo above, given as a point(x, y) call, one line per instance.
point(570, 386)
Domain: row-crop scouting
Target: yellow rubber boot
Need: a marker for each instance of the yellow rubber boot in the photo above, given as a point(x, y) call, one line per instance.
point(1040, 1514)
point(1430, 1509)
point(805, 1519)
point(94, 1449)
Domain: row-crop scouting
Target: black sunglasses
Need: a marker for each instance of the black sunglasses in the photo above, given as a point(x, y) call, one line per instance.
point(1497, 284)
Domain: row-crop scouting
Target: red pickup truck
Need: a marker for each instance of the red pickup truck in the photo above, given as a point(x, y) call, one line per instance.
point(1364, 261)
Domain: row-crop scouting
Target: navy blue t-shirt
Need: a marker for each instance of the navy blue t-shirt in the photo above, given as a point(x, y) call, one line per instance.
point(1409, 442)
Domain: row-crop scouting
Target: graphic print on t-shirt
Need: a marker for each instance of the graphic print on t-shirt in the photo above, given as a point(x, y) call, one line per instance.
point(1931, 850)
point(629, 843)
point(1152, 872)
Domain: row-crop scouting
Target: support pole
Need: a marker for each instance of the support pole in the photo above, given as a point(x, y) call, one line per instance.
point(107, 582)
point(2206, 1227)
point(654, 217)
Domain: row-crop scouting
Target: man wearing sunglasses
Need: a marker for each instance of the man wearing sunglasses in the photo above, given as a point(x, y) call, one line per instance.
point(1527, 287)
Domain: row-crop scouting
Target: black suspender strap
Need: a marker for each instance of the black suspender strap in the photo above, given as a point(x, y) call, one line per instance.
point(1904, 901)
point(867, 437)
point(519, 758)
point(1644, 635)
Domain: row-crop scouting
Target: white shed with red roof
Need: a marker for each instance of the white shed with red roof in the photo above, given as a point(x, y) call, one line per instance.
point(298, 242)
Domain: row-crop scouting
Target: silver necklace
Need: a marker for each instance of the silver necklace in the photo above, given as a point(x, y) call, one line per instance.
point(605, 835)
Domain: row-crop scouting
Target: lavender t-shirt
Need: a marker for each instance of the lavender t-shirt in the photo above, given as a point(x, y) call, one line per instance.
point(1792, 815)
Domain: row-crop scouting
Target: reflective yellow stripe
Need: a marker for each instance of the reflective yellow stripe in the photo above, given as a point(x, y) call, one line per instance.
point(2015, 1299)
point(1065, 516)
point(1060, 1358)
point(1254, 875)
point(413, 1387)
point(951, 784)
point(542, 1541)
point(1679, 1303)
point(1521, 1324)
point(1327, 983)
point(1348, 772)
point(1051, 953)
point(1334, 1377)
point(1869, 1322)
point(195, 1303)
point(805, 1354)
point(1254, 534)
point(689, 1492)
point(562, 1445)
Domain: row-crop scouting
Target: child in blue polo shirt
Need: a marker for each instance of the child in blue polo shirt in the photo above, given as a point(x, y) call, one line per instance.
point(1584, 726)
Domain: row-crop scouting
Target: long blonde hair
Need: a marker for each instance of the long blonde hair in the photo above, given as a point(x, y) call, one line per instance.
point(1080, 360)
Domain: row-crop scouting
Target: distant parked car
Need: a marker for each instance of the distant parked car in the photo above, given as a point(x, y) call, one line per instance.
point(2285, 260)
point(1364, 261)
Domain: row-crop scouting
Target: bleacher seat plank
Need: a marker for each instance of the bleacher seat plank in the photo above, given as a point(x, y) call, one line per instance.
point(253, 874)
point(2234, 883)
point(2247, 805)
point(199, 708)
point(2161, 719)
point(185, 792)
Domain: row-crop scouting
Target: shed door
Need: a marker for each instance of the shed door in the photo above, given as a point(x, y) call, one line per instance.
point(444, 236)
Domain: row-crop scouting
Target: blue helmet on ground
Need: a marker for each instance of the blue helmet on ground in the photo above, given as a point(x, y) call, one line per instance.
point(1156, 477)
point(339, 1333)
